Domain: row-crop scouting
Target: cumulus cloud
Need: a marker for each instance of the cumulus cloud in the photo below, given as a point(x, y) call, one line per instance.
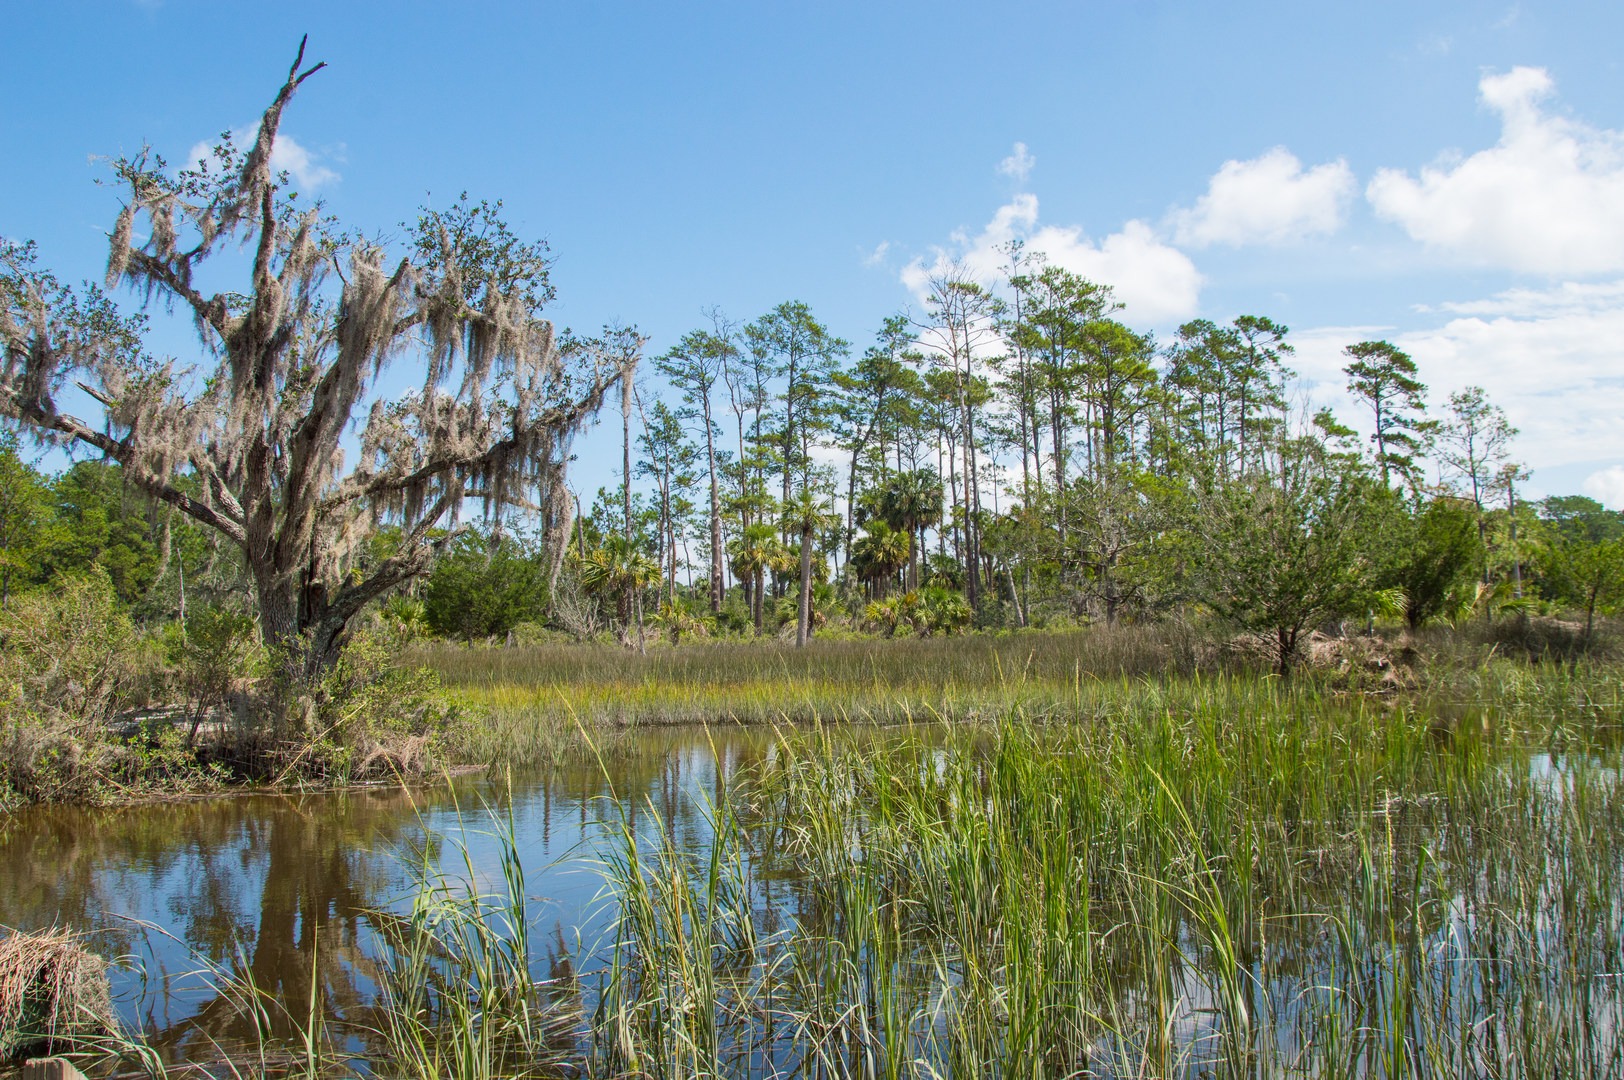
point(1548, 358)
point(1547, 198)
point(877, 256)
point(1157, 284)
point(287, 155)
point(1606, 486)
point(1018, 166)
point(1270, 199)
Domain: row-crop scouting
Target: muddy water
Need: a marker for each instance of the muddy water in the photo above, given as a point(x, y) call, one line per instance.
point(286, 885)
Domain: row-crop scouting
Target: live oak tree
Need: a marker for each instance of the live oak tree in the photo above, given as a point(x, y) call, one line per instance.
point(249, 442)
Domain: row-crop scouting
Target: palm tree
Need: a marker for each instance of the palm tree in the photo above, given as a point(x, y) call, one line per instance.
point(755, 551)
point(618, 569)
point(879, 554)
point(912, 501)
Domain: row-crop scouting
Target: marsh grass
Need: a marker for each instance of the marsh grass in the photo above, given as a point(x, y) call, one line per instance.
point(457, 998)
point(1120, 875)
point(1217, 878)
point(533, 699)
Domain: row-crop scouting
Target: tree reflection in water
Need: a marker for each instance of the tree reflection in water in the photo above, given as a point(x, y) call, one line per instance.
point(278, 889)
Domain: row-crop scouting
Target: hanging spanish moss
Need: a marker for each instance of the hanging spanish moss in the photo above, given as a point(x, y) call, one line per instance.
point(249, 441)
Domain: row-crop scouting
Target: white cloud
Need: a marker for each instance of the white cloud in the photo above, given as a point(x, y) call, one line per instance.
point(877, 256)
point(287, 155)
point(1566, 298)
point(1547, 198)
point(1018, 166)
point(1548, 358)
point(1606, 486)
point(1270, 199)
point(1156, 283)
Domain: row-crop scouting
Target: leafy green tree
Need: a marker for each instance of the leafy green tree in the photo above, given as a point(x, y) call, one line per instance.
point(1578, 517)
point(1593, 575)
point(1432, 556)
point(1385, 378)
point(1118, 524)
point(24, 512)
point(480, 588)
point(1283, 552)
point(99, 522)
point(1584, 559)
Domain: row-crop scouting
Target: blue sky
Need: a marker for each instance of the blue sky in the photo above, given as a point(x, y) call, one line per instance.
point(1449, 175)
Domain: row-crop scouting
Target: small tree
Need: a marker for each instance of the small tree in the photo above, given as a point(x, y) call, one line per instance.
point(291, 359)
point(1280, 554)
point(480, 588)
point(1584, 559)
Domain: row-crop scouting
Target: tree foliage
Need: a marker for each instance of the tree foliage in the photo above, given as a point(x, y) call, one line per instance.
point(480, 589)
point(1283, 553)
point(249, 441)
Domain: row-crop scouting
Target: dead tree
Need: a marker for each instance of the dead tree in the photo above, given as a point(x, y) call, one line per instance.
point(248, 441)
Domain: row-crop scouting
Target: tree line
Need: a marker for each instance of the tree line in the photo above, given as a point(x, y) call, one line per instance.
point(1020, 453)
point(1007, 455)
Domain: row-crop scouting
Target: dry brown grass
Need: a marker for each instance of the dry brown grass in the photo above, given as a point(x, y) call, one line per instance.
point(53, 993)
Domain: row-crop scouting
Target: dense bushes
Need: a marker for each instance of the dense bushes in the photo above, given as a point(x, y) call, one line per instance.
point(92, 707)
point(483, 589)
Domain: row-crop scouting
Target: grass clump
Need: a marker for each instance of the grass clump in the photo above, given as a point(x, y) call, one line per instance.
point(54, 994)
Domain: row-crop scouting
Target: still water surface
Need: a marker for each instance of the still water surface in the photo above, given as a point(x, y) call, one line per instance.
point(287, 881)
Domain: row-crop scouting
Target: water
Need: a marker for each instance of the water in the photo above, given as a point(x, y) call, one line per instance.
point(290, 888)
point(284, 880)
